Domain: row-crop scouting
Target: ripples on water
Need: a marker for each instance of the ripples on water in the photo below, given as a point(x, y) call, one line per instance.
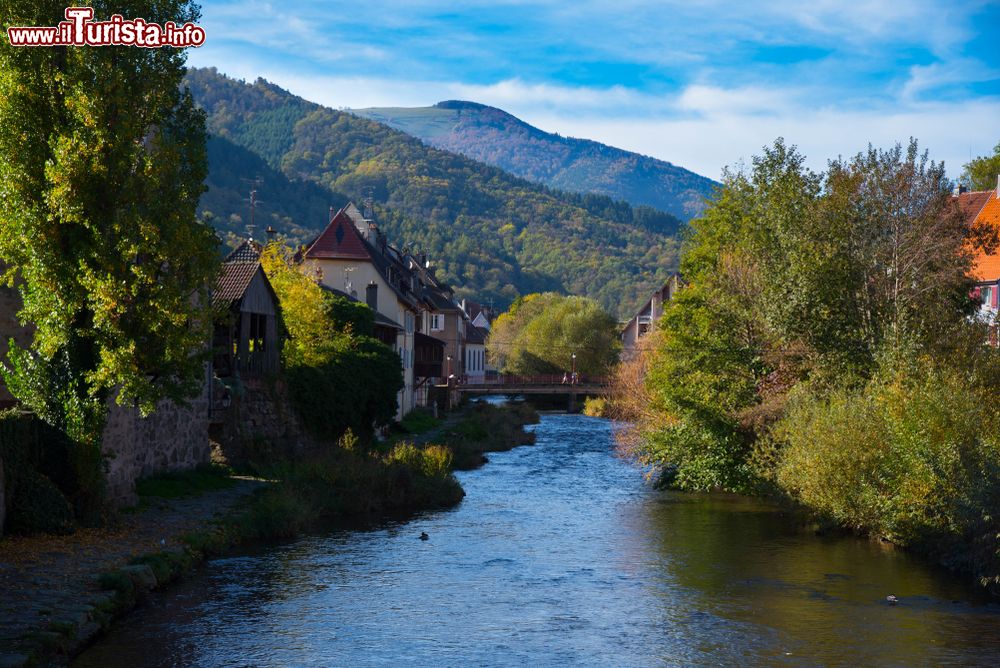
point(561, 555)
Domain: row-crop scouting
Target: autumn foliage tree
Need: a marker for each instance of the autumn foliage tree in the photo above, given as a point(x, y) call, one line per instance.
point(340, 377)
point(800, 278)
point(102, 163)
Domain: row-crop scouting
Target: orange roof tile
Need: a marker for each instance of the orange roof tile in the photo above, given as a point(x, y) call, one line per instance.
point(971, 203)
point(986, 266)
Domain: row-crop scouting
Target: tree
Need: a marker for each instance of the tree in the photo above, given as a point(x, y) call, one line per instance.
point(339, 377)
point(541, 333)
point(794, 277)
point(102, 161)
point(982, 172)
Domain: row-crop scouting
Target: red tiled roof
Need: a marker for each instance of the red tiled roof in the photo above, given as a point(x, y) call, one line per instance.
point(248, 251)
point(238, 270)
point(986, 266)
point(340, 240)
point(233, 282)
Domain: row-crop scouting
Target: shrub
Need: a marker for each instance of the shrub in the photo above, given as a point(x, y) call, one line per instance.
point(37, 506)
point(913, 457)
point(47, 472)
point(595, 407)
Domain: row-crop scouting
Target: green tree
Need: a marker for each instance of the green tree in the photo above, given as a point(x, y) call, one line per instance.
point(541, 333)
point(982, 173)
point(102, 161)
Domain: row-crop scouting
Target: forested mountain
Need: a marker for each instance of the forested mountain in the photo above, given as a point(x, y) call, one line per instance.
point(492, 235)
point(497, 138)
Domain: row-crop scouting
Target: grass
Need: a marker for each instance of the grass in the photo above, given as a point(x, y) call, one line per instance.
point(185, 483)
point(418, 421)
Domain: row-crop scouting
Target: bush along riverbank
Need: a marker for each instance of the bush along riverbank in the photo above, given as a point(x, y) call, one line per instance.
point(828, 350)
point(349, 485)
point(488, 428)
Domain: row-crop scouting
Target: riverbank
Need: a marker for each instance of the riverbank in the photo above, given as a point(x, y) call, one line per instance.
point(60, 592)
point(53, 599)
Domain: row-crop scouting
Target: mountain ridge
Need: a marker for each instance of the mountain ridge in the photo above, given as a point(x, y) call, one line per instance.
point(496, 137)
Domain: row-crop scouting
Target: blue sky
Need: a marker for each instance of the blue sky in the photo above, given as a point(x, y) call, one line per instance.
point(699, 83)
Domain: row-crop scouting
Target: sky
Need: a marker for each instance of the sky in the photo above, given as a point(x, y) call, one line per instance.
point(701, 84)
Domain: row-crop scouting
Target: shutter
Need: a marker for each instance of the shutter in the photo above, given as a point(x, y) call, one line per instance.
point(996, 294)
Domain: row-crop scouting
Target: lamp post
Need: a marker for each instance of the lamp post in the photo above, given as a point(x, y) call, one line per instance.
point(573, 377)
point(449, 377)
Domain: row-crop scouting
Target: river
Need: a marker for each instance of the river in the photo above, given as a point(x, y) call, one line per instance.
point(561, 554)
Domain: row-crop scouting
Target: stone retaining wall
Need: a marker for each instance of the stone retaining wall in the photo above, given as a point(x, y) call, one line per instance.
point(260, 424)
point(172, 438)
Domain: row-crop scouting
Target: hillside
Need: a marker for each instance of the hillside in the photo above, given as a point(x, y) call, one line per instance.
point(497, 138)
point(494, 236)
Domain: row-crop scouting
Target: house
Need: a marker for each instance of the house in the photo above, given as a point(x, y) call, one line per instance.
point(983, 208)
point(479, 315)
point(441, 316)
point(477, 364)
point(353, 256)
point(643, 321)
point(475, 354)
point(386, 330)
point(246, 340)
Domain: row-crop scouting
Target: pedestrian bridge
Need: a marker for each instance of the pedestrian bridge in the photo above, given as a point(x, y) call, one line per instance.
point(551, 385)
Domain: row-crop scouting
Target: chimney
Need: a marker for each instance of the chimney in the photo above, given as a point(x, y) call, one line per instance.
point(371, 296)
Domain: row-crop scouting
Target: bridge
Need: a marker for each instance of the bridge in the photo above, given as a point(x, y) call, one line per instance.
point(550, 385)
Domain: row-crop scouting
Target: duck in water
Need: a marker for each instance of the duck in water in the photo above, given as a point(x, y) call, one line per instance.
point(424, 536)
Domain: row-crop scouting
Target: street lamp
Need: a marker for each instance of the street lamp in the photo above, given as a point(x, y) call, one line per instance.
point(573, 377)
point(448, 379)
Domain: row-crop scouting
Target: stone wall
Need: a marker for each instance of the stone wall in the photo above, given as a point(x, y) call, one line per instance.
point(3, 503)
point(259, 425)
point(172, 438)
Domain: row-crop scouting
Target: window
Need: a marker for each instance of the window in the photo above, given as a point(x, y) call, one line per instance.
point(437, 322)
point(409, 321)
point(986, 295)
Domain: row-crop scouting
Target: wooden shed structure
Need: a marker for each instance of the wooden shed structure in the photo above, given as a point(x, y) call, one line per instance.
point(246, 341)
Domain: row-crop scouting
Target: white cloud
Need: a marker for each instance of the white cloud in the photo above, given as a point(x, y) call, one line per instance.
point(950, 131)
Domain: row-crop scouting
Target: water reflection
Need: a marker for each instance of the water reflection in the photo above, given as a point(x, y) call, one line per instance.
point(560, 555)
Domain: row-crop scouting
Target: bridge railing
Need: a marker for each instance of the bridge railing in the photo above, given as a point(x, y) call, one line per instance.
point(512, 380)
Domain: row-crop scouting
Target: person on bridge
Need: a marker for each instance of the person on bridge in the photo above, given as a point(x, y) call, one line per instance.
point(565, 378)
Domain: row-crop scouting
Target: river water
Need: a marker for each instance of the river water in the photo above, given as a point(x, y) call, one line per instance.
point(561, 554)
